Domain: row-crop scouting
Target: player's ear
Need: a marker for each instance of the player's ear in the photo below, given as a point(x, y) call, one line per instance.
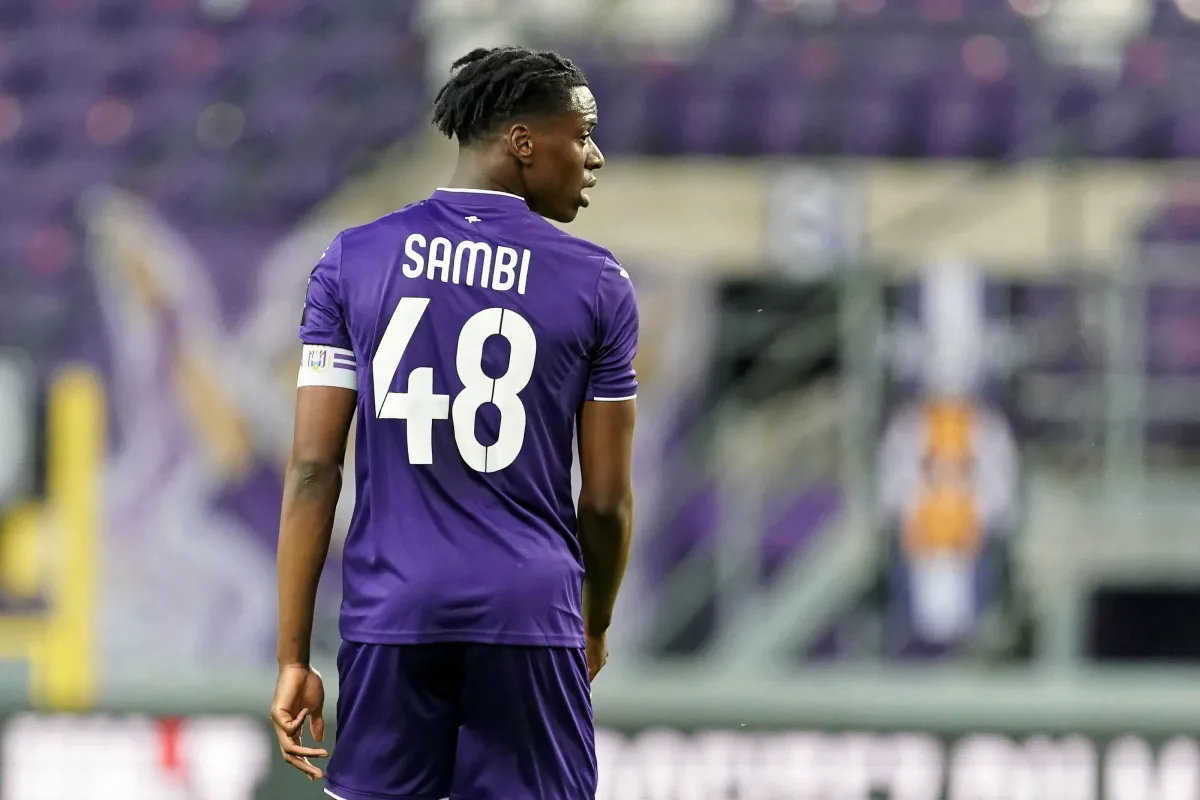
point(520, 143)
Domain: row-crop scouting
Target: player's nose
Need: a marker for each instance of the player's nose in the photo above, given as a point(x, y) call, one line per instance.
point(595, 159)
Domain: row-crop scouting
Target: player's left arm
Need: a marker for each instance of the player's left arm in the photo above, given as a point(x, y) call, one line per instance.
point(605, 434)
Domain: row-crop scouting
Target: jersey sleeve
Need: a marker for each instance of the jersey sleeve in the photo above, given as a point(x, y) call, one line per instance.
point(327, 358)
point(612, 375)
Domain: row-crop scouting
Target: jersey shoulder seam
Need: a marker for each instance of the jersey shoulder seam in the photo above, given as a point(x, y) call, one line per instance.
point(357, 229)
point(596, 291)
point(597, 249)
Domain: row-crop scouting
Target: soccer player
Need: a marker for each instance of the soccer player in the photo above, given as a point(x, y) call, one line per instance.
point(477, 342)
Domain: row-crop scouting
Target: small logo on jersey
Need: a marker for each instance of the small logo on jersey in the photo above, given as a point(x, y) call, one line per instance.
point(472, 219)
point(317, 359)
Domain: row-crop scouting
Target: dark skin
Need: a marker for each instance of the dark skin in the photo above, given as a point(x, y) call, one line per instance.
point(549, 161)
point(311, 487)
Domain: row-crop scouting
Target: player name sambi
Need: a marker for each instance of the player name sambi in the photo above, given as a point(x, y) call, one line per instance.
point(473, 263)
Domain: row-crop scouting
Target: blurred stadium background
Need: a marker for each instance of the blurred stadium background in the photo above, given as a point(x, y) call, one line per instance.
point(920, 416)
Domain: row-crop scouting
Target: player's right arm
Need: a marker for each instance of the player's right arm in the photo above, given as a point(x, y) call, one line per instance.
point(326, 397)
point(606, 426)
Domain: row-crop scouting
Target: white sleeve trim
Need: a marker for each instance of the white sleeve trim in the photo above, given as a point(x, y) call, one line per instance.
point(321, 365)
point(615, 399)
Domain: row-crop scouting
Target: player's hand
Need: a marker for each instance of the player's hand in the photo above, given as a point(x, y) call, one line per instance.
point(597, 653)
point(299, 694)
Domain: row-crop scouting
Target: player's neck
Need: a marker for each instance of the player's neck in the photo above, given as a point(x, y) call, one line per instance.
point(472, 173)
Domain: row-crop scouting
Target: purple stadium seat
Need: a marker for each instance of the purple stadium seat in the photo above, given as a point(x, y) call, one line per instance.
point(60, 116)
point(1075, 95)
point(168, 114)
point(746, 107)
point(953, 125)
point(17, 15)
point(12, 204)
point(639, 106)
point(873, 123)
point(1006, 122)
point(165, 48)
point(704, 118)
point(24, 77)
point(191, 181)
point(993, 12)
point(57, 185)
point(116, 17)
point(794, 119)
point(279, 113)
point(353, 48)
point(1185, 134)
point(72, 57)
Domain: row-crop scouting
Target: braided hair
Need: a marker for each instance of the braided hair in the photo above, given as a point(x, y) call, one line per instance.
point(488, 86)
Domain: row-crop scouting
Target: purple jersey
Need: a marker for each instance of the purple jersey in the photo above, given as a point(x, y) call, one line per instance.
point(473, 331)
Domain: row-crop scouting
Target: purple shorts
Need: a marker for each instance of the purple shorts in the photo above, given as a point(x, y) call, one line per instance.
point(464, 721)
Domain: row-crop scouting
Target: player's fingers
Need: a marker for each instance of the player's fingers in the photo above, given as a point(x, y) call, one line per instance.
point(286, 723)
point(281, 724)
point(299, 750)
point(596, 669)
point(313, 772)
point(317, 725)
point(288, 735)
point(279, 717)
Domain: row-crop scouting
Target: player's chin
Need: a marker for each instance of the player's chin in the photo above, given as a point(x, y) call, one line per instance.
point(569, 213)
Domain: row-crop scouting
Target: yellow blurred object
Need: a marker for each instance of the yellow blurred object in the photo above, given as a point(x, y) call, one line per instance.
point(21, 570)
point(63, 653)
point(950, 424)
point(216, 421)
point(946, 519)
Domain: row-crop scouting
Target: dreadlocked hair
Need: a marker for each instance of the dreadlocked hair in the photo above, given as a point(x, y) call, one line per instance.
point(490, 85)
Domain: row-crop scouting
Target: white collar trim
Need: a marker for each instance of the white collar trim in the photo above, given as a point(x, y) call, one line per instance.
point(482, 191)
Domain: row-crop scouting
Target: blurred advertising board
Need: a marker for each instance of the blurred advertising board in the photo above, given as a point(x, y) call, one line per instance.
point(234, 758)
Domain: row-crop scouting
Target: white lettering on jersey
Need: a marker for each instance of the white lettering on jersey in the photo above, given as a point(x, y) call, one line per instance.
point(414, 263)
point(467, 262)
point(439, 258)
point(472, 252)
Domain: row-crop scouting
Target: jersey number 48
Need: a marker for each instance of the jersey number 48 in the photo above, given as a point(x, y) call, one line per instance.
point(420, 406)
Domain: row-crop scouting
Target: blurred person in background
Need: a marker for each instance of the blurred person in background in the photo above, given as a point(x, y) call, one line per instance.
point(470, 633)
point(948, 464)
